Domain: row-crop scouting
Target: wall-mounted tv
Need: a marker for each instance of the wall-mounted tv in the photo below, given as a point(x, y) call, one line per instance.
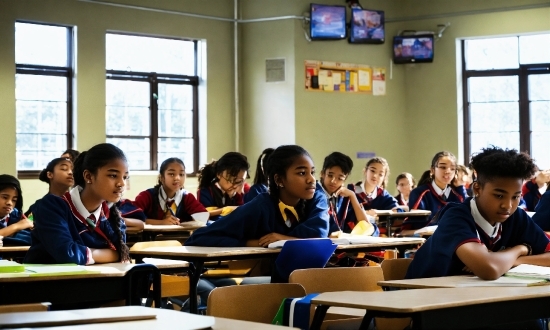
point(366, 26)
point(327, 22)
point(413, 49)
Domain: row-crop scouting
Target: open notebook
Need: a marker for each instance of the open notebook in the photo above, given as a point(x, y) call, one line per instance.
point(346, 239)
point(530, 271)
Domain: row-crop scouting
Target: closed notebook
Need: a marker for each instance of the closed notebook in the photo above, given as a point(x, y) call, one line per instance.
point(7, 266)
point(345, 239)
point(530, 271)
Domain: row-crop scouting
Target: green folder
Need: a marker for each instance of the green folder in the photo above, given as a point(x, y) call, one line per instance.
point(7, 266)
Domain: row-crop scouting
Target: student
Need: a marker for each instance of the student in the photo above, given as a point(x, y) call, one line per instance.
point(58, 174)
point(13, 225)
point(291, 209)
point(260, 178)
point(542, 212)
point(221, 184)
point(533, 189)
point(168, 203)
point(434, 190)
point(345, 211)
point(404, 183)
point(79, 227)
point(487, 234)
point(462, 181)
point(372, 193)
point(70, 154)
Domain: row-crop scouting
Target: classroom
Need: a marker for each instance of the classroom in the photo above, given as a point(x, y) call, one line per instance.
point(236, 108)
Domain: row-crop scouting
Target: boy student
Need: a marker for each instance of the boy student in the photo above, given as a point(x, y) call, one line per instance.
point(345, 211)
point(488, 234)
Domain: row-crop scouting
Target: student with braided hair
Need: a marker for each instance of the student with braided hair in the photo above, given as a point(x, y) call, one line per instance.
point(80, 227)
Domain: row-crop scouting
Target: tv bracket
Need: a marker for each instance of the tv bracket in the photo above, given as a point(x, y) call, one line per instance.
point(437, 34)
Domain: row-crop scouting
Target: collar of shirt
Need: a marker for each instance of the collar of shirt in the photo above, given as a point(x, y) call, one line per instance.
point(440, 191)
point(163, 198)
point(359, 189)
point(405, 201)
point(75, 197)
point(329, 196)
point(5, 218)
point(491, 231)
point(542, 189)
point(283, 206)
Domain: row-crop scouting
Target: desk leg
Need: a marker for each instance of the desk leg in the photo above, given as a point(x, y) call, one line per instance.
point(320, 313)
point(195, 271)
point(388, 226)
point(367, 320)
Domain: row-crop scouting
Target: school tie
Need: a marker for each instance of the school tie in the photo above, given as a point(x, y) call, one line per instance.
point(444, 197)
point(171, 207)
point(91, 220)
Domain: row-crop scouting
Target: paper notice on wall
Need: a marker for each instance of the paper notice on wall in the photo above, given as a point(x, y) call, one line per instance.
point(379, 81)
point(336, 78)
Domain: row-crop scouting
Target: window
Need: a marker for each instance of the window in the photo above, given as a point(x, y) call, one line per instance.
point(151, 93)
point(506, 90)
point(43, 94)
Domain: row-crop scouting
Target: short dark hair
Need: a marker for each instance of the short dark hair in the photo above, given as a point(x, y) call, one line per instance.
point(338, 159)
point(9, 181)
point(232, 162)
point(494, 162)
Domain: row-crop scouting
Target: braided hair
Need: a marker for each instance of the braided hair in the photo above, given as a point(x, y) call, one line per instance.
point(277, 164)
point(156, 188)
point(260, 176)
point(92, 160)
point(232, 162)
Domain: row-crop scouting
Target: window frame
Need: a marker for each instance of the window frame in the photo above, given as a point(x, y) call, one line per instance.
point(57, 71)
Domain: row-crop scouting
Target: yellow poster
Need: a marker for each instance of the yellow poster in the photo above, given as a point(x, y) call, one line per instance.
point(340, 77)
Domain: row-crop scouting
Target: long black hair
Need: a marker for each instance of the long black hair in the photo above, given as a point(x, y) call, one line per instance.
point(277, 164)
point(50, 168)
point(8, 181)
point(232, 162)
point(92, 160)
point(162, 169)
point(259, 176)
point(428, 176)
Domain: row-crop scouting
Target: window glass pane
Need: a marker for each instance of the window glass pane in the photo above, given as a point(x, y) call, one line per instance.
point(128, 110)
point(181, 148)
point(147, 54)
point(175, 107)
point(137, 151)
point(539, 87)
point(494, 117)
point(34, 151)
point(534, 49)
point(540, 132)
point(41, 117)
point(495, 53)
point(492, 89)
point(41, 44)
point(508, 140)
point(44, 88)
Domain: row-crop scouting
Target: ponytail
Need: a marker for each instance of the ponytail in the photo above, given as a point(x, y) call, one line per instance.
point(425, 178)
point(207, 175)
point(78, 169)
point(115, 220)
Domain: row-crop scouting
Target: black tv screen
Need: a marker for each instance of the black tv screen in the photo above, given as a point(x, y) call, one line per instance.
point(413, 49)
point(367, 26)
point(327, 22)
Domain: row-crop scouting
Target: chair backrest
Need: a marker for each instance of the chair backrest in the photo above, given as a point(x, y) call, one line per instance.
point(36, 307)
point(252, 302)
point(318, 280)
point(143, 245)
point(395, 269)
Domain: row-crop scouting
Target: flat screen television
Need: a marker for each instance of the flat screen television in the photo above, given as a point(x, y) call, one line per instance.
point(327, 22)
point(413, 49)
point(366, 26)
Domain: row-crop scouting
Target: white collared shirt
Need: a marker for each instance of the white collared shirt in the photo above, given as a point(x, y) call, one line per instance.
point(405, 201)
point(440, 192)
point(491, 231)
point(163, 198)
point(360, 189)
point(75, 197)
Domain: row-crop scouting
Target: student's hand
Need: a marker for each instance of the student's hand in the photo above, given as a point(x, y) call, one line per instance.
point(272, 237)
point(372, 212)
point(345, 192)
point(24, 224)
point(170, 220)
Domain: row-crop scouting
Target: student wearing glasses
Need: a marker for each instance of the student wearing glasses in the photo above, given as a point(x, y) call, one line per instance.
point(221, 184)
point(434, 190)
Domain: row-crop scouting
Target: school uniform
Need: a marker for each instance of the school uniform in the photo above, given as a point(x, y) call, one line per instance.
point(542, 212)
point(129, 210)
point(261, 216)
point(20, 238)
point(213, 196)
point(379, 199)
point(432, 198)
point(63, 234)
point(254, 191)
point(531, 194)
point(13, 217)
point(400, 200)
point(462, 223)
point(342, 216)
point(183, 205)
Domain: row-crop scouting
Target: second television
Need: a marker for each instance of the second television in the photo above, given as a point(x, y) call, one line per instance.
point(367, 26)
point(327, 22)
point(413, 49)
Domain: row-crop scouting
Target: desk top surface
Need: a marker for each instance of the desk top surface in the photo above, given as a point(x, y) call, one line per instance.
point(164, 319)
point(460, 281)
point(418, 300)
point(99, 270)
point(204, 251)
point(410, 213)
point(14, 248)
point(184, 226)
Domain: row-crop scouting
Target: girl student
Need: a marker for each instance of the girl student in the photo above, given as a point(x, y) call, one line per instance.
point(372, 193)
point(404, 183)
point(13, 224)
point(168, 203)
point(260, 178)
point(533, 189)
point(70, 154)
point(292, 208)
point(221, 184)
point(58, 174)
point(79, 227)
point(345, 211)
point(434, 190)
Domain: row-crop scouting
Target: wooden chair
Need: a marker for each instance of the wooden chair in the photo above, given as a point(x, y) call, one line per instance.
point(395, 269)
point(37, 307)
point(170, 285)
point(254, 302)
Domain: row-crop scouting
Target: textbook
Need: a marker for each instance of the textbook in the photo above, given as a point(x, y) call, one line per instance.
point(530, 271)
point(427, 229)
point(7, 266)
point(345, 239)
point(59, 269)
point(501, 281)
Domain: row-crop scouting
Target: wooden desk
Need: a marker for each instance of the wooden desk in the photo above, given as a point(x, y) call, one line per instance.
point(163, 319)
point(458, 282)
point(198, 255)
point(463, 308)
point(8, 252)
point(390, 216)
point(151, 231)
point(113, 281)
point(401, 244)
